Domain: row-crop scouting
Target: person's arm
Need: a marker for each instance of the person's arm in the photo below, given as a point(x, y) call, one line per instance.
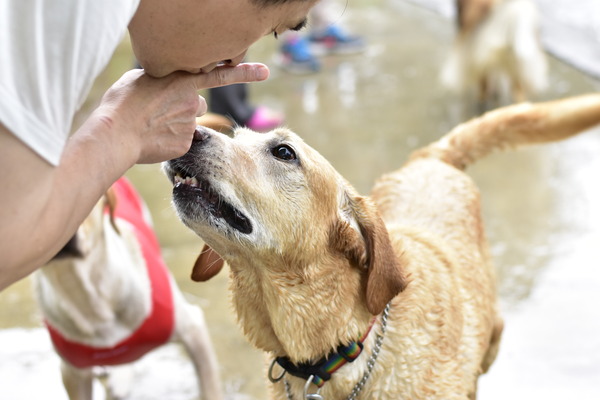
point(140, 120)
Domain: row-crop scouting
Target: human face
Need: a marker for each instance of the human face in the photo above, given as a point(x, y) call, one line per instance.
point(196, 35)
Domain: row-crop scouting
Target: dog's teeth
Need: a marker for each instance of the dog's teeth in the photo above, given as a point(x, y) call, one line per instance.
point(188, 180)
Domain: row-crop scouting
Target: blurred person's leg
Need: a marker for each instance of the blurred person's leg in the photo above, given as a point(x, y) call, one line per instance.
point(232, 102)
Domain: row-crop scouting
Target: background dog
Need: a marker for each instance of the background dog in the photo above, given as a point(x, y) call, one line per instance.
point(497, 52)
point(108, 299)
point(320, 274)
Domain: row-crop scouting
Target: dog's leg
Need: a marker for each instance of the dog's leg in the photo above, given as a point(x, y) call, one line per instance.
point(192, 332)
point(77, 382)
point(492, 351)
point(518, 91)
point(120, 381)
point(483, 95)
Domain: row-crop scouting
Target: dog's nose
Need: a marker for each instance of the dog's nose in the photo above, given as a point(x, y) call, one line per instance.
point(201, 134)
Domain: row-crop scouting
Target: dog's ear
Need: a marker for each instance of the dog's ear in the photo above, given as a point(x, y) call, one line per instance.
point(208, 264)
point(110, 199)
point(362, 236)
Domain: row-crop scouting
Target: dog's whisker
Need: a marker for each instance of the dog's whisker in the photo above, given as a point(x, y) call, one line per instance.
point(212, 264)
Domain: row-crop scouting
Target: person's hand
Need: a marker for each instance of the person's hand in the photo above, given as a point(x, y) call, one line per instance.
point(154, 118)
point(140, 119)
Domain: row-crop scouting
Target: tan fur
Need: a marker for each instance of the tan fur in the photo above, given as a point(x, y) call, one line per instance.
point(321, 259)
point(471, 13)
point(214, 121)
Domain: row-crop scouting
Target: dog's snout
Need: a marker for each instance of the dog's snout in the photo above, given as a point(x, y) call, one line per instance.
point(201, 134)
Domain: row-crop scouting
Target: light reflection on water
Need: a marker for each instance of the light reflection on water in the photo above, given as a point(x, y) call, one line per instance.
point(365, 114)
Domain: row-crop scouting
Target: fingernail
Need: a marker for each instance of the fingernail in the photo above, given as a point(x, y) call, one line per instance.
point(262, 72)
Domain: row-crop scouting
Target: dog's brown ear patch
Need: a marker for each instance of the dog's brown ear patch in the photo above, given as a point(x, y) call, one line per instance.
point(371, 250)
point(208, 264)
point(384, 270)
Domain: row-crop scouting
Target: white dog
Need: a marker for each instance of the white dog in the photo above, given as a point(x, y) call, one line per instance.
point(108, 299)
point(497, 46)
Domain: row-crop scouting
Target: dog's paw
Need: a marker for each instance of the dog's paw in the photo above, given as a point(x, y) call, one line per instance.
point(119, 382)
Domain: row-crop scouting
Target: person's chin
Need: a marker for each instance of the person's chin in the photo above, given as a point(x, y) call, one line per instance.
point(157, 71)
point(207, 68)
point(162, 71)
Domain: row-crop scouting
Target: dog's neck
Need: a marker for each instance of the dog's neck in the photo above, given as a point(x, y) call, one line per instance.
point(299, 312)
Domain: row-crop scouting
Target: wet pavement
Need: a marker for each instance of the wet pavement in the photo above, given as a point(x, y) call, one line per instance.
point(365, 114)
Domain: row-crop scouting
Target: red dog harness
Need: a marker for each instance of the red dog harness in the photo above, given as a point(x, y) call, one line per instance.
point(156, 329)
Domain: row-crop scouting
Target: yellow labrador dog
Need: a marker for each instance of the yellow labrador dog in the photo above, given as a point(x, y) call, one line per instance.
point(497, 47)
point(385, 297)
point(108, 299)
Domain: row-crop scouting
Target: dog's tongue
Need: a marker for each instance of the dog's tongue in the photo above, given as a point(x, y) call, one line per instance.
point(208, 264)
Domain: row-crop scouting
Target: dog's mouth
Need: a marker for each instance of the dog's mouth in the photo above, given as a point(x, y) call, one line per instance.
point(201, 193)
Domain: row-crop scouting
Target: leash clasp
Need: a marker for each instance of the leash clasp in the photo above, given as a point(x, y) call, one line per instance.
point(311, 396)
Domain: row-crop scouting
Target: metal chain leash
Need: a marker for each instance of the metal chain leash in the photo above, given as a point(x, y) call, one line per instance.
point(288, 392)
point(376, 349)
point(370, 364)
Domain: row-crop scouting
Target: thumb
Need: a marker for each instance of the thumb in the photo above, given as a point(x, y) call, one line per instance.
point(227, 75)
point(202, 106)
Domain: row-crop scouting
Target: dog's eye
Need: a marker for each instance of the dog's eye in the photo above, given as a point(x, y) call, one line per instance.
point(284, 152)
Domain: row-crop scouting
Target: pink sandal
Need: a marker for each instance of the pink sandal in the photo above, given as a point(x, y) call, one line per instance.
point(264, 119)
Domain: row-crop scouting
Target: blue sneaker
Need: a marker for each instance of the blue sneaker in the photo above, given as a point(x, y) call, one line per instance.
point(334, 40)
point(296, 57)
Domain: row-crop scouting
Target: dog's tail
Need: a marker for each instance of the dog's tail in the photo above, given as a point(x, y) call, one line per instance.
point(514, 126)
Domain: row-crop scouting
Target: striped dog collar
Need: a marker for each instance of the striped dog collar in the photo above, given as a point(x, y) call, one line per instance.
point(322, 370)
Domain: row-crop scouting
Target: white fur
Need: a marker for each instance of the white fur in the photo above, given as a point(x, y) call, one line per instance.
point(100, 299)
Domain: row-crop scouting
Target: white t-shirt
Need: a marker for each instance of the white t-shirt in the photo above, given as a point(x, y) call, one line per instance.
point(51, 51)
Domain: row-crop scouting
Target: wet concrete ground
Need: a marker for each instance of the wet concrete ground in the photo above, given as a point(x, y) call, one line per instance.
point(365, 114)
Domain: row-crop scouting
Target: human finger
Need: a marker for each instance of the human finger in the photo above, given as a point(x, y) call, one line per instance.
point(227, 75)
point(202, 107)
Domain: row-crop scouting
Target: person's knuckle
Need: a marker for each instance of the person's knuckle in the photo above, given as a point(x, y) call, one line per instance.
point(191, 104)
point(220, 77)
